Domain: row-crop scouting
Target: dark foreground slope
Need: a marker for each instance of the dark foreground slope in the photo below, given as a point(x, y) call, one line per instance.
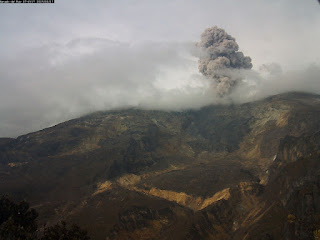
point(222, 172)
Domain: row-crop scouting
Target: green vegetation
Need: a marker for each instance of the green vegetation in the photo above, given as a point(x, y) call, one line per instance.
point(61, 232)
point(18, 222)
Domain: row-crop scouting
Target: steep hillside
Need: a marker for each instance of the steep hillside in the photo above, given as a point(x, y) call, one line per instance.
point(245, 171)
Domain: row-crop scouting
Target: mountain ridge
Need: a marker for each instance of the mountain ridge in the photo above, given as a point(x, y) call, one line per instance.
point(132, 174)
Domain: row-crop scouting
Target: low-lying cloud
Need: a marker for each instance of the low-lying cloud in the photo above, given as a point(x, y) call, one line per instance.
point(44, 86)
point(54, 83)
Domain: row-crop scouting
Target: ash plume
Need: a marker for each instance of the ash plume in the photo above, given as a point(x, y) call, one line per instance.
point(221, 61)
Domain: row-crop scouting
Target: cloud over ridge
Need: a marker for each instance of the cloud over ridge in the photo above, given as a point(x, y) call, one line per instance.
point(56, 82)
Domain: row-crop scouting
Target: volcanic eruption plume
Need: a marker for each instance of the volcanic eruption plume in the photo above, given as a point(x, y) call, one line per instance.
point(221, 61)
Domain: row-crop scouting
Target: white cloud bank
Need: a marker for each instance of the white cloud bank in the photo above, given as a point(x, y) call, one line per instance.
point(54, 83)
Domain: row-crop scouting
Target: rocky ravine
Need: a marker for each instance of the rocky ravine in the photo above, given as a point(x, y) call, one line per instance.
point(222, 172)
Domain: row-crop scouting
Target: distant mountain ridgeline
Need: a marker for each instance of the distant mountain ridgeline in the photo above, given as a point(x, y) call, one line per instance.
point(221, 172)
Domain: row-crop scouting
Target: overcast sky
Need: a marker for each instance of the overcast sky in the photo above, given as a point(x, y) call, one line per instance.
point(62, 60)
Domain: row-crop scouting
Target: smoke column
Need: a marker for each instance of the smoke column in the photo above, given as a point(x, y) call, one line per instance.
point(221, 61)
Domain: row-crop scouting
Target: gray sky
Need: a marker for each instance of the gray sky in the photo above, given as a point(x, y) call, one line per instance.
point(62, 60)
